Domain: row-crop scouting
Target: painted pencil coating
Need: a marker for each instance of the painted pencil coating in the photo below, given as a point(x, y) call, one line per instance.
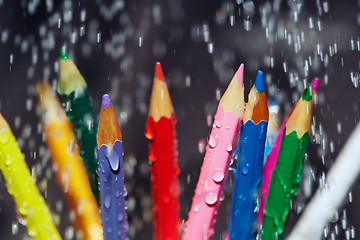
point(70, 172)
point(79, 109)
point(222, 140)
point(282, 189)
point(288, 170)
point(248, 174)
point(21, 186)
point(111, 174)
point(267, 171)
point(113, 192)
point(248, 178)
point(165, 190)
point(271, 158)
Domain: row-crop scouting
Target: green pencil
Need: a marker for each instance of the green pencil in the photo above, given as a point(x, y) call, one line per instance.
point(79, 109)
point(287, 174)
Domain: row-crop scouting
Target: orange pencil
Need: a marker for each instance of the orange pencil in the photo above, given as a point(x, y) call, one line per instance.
point(70, 169)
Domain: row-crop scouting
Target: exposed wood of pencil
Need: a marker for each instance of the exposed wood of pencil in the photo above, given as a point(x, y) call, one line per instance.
point(3, 124)
point(70, 78)
point(233, 98)
point(108, 130)
point(256, 108)
point(70, 172)
point(160, 103)
point(300, 118)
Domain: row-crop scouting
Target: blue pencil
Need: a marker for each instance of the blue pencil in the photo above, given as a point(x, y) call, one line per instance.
point(248, 174)
point(111, 174)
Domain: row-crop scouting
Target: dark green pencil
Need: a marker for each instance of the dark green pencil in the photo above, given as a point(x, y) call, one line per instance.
point(79, 109)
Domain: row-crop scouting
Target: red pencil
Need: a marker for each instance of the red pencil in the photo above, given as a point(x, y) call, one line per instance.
point(165, 190)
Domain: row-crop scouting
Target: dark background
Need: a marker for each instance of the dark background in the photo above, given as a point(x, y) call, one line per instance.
point(179, 34)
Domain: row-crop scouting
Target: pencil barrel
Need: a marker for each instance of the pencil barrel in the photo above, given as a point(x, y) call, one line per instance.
point(113, 192)
point(284, 183)
point(79, 110)
point(21, 186)
point(248, 177)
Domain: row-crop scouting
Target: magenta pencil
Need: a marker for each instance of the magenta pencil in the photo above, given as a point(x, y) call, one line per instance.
point(271, 160)
point(221, 143)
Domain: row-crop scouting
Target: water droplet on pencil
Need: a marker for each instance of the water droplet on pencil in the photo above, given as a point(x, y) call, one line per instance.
point(210, 198)
point(117, 193)
point(236, 213)
point(218, 124)
point(229, 148)
point(245, 140)
point(96, 153)
point(8, 161)
point(4, 137)
point(241, 197)
point(120, 217)
point(211, 231)
point(213, 142)
point(32, 231)
point(107, 201)
point(245, 169)
point(218, 175)
point(23, 209)
point(196, 208)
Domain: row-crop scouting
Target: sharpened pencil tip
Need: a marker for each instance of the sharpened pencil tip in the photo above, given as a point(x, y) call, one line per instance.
point(259, 82)
point(240, 74)
point(159, 72)
point(307, 94)
point(63, 54)
point(315, 83)
point(105, 101)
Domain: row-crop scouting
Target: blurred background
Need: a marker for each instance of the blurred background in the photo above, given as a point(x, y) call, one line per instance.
point(200, 45)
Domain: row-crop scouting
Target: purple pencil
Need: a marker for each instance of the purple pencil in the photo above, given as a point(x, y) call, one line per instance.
point(111, 174)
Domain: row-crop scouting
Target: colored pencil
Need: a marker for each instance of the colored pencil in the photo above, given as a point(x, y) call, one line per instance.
point(111, 173)
point(287, 174)
point(161, 132)
point(248, 174)
point(70, 170)
point(21, 186)
point(328, 199)
point(79, 109)
point(271, 158)
point(222, 141)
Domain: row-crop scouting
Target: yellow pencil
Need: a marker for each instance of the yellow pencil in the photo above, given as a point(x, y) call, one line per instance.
point(70, 170)
point(21, 186)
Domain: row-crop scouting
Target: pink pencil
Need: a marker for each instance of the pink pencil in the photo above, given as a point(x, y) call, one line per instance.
point(222, 140)
point(271, 159)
